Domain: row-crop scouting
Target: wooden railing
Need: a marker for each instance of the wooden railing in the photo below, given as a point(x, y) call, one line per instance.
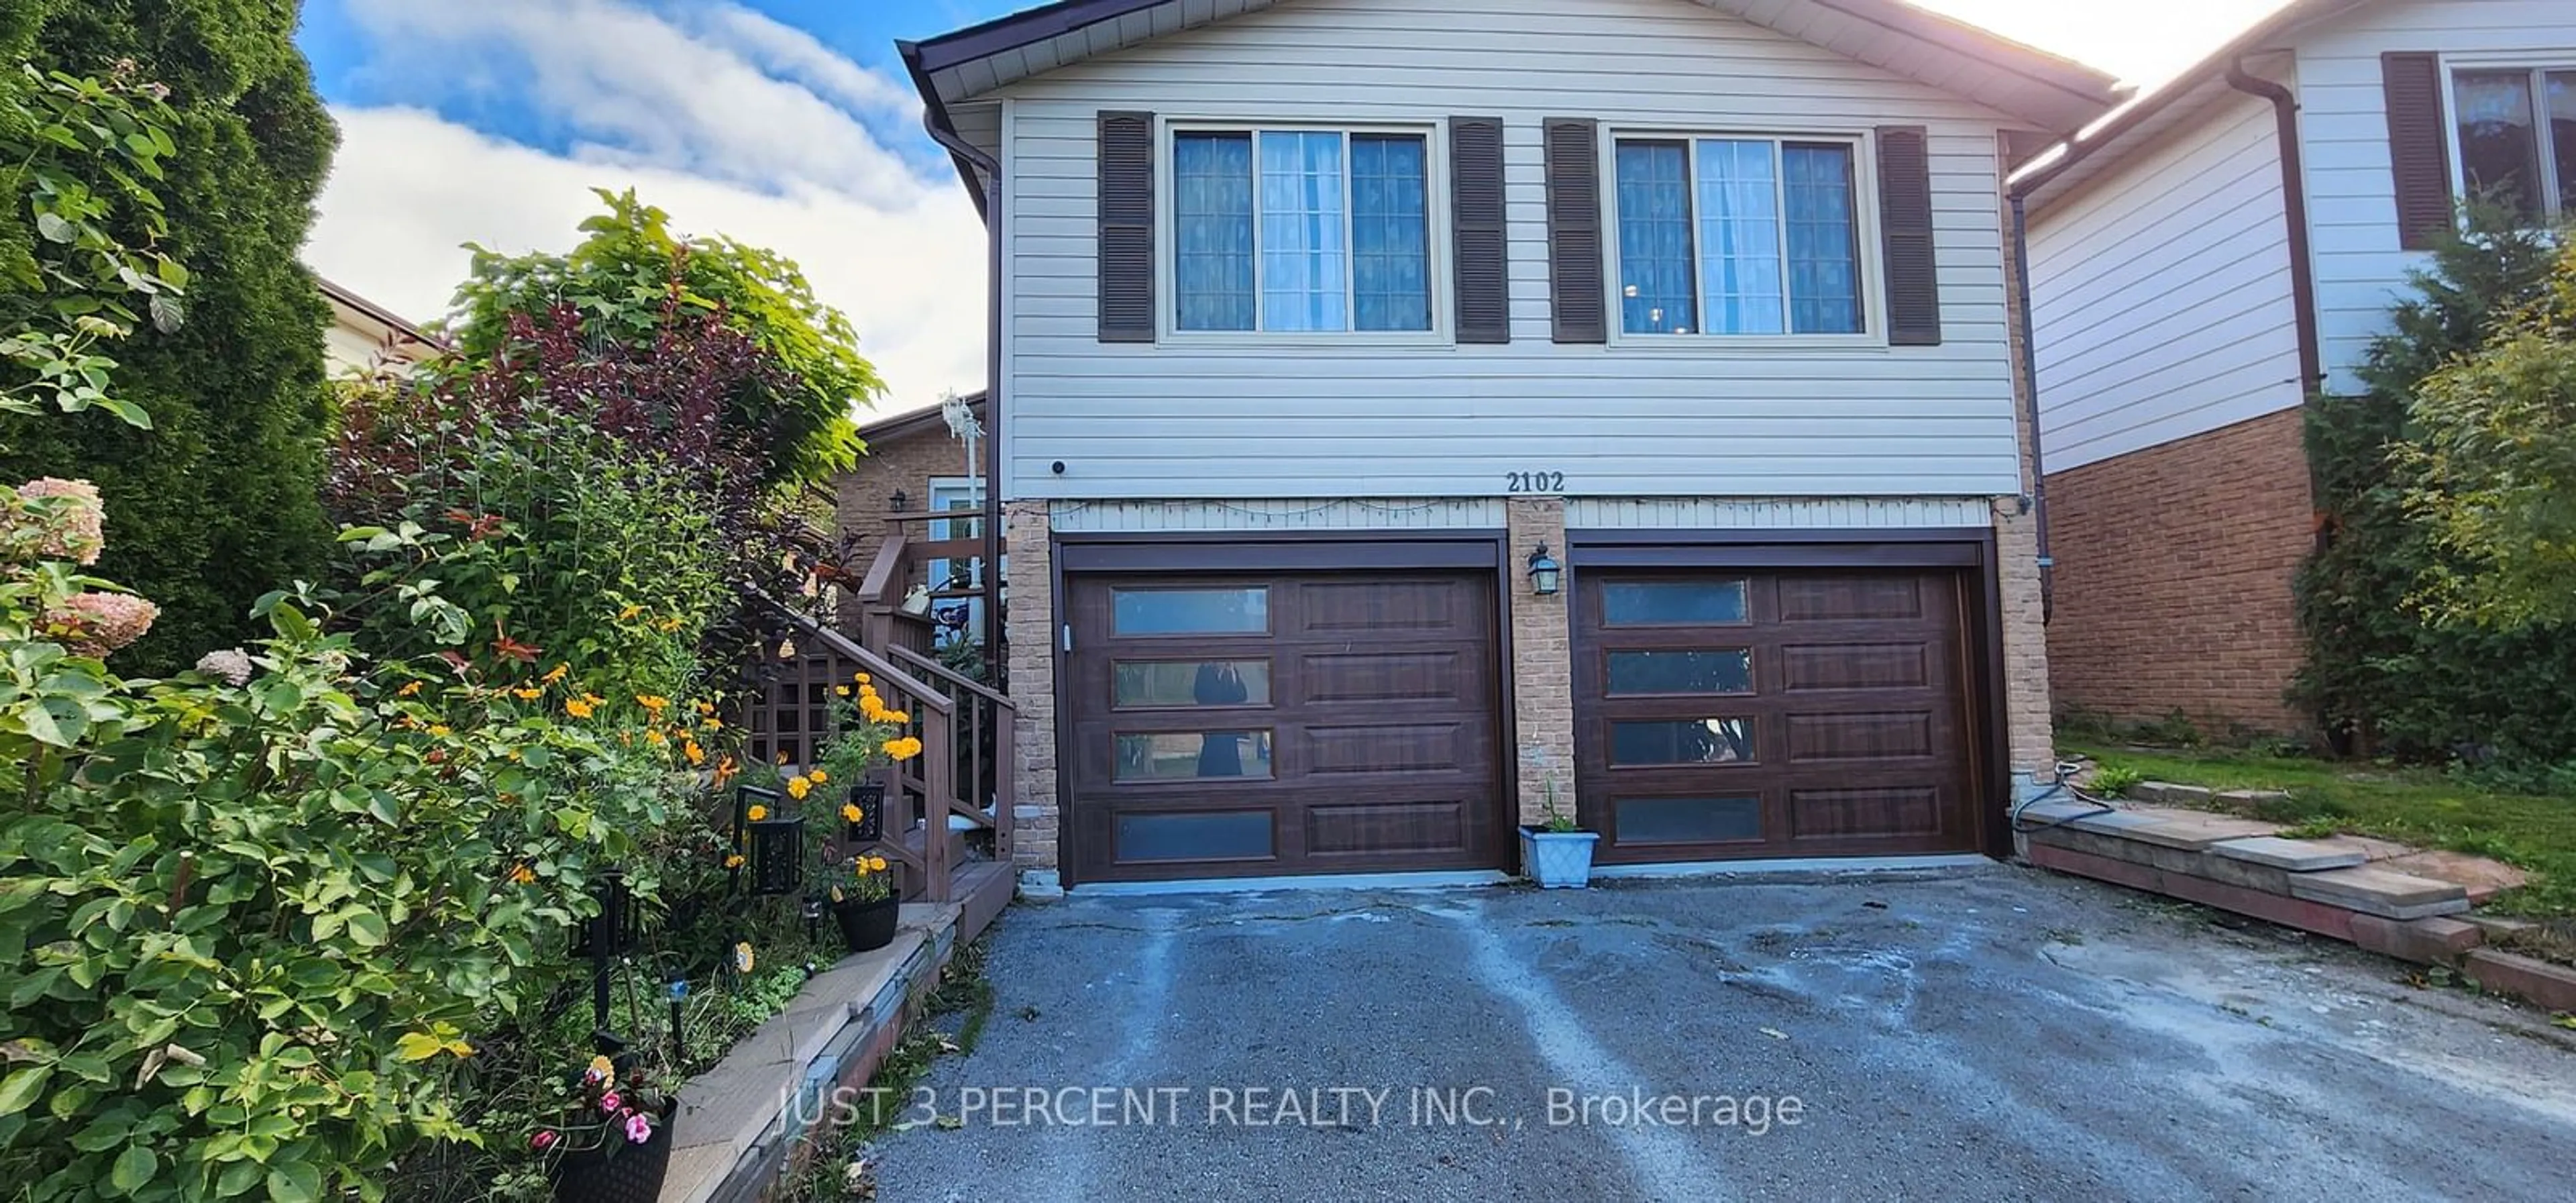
point(788, 716)
point(900, 567)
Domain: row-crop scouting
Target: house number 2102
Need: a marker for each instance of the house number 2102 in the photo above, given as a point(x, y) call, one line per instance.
point(1534, 482)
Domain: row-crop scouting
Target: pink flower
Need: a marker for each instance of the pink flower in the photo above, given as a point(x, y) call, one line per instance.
point(638, 1128)
point(609, 1102)
point(75, 529)
point(231, 666)
point(95, 624)
point(542, 1141)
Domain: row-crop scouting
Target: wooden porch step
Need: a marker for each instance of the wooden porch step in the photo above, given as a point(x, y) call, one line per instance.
point(984, 887)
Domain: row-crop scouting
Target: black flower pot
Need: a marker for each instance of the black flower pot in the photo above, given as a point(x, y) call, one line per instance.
point(618, 1171)
point(867, 926)
point(869, 797)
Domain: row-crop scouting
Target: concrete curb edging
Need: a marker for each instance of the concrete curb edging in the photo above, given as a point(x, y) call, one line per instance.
point(743, 1124)
point(2226, 863)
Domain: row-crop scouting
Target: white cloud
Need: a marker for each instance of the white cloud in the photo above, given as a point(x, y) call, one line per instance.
point(409, 189)
point(733, 123)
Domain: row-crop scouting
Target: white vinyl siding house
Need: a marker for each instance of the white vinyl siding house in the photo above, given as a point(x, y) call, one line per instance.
point(1283, 414)
point(1436, 328)
point(2361, 265)
point(2161, 312)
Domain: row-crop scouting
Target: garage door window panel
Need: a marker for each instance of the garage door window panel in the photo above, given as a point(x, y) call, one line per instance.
point(1675, 603)
point(1189, 684)
point(1696, 741)
point(1215, 835)
point(1679, 673)
point(1689, 820)
point(1194, 756)
point(1157, 612)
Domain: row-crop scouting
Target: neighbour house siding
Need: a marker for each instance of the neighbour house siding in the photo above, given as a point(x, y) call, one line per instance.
point(2352, 197)
point(2161, 293)
point(1324, 417)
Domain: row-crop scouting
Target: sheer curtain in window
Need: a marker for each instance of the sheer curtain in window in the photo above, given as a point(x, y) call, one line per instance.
point(1824, 269)
point(1212, 208)
point(1304, 269)
point(1390, 238)
point(1739, 237)
point(1655, 238)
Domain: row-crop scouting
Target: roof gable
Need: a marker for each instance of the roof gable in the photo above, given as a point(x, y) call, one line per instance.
point(2050, 92)
point(2170, 108)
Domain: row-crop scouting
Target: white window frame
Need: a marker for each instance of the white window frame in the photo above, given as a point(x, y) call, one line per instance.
point(1435, 183)
point(2554, 207)
point(1865, 232)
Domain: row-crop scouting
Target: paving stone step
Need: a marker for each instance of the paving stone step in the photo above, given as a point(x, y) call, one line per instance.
point(2297, 856)
point(2196, 832)
point(2375, 891)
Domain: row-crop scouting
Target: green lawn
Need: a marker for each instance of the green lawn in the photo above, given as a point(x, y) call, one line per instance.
point(2418, 806)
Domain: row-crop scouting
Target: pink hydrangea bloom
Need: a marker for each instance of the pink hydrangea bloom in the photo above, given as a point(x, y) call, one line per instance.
point(231, 666)
point(638, 1128)
point(77, 530)
point(95, 624)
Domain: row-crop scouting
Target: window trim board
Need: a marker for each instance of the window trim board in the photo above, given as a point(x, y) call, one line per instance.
point(1436, 234)
point(1868, 261)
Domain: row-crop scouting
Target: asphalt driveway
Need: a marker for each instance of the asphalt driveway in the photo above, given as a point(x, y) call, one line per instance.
point(1994, 1033)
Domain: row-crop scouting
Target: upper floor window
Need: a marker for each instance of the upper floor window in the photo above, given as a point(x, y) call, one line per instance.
point(1300, 230)
point(1742, 236)
point(2518, 138)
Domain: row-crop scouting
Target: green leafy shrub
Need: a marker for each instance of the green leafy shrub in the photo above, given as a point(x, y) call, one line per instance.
point(2385, 677)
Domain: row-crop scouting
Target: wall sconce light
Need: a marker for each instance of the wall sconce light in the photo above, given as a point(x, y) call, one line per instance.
point(1544, 572)
point(901, 502)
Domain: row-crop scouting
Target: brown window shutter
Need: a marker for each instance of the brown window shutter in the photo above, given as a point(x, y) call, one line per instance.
point(1574, 230)
point(1126, 227)
point(2419, 146)
point(1905, 232)
point(1479, 253)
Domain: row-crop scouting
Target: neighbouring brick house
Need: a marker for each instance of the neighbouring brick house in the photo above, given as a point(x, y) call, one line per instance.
point(2208, 260)
point(913, 464)
point(1329, 331)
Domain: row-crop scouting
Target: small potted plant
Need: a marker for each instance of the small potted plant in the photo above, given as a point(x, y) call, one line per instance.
point(861, 895)
point(1555, 853)
point(612, 1143)
point(838, 795)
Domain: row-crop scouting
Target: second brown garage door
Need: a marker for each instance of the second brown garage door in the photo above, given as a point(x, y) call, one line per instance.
point(1312, 723)
point(1725, 714)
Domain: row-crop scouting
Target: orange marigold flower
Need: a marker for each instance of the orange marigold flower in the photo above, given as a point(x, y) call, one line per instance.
point(696, 754)
point(903, 749)
point(527, 693)
point(523, 875)
point(656, 738)
point(581, 707)
point(409, 688)
point(734, 861)
point(713, 724)
point(556, 673)
point(652, 702)
point(897, 717)
point(629, 612)
point(798, 787)
point(842, 690)
point(757, 812)
point(861, 678)
point(819, 776)
point(851, 813)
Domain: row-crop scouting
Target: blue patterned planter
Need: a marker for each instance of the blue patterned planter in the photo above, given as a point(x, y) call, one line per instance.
point(1557, 860)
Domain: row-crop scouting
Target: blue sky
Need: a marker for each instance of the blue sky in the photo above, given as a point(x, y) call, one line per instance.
point(787, 123)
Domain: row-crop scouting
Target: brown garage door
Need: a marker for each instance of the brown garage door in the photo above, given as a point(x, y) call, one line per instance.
point(1281, 724)
point(1730, 714)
